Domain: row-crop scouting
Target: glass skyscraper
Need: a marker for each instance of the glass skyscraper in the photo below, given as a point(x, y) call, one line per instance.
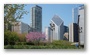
point(75, 15)
point(36, 19)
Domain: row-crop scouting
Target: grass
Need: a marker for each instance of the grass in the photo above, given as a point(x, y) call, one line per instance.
point(38, 47)
point(54, 45)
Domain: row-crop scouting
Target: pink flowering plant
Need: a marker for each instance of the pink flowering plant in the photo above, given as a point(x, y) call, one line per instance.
point(35, 37)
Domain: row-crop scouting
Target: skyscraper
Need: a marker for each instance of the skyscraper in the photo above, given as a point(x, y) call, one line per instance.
point(36, 18)
point(75, 15)
point(57, 28)
point(78, 18)
point(81, 24)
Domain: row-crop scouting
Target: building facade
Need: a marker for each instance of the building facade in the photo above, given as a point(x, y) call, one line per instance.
point(20, 27)
point(48, 33)
point(73, 32)
point(36, 18)
point(81, 25)
point(75, 15)
point(57, 28)
point(78, 18)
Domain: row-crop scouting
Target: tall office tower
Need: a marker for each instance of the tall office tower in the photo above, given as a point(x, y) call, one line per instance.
point(74, 35)
point(81, 24)
point(57, 28)
point(36, 19)
point(75, 15)
point(73, 32)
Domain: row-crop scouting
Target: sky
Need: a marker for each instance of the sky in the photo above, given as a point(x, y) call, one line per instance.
point(64, 11)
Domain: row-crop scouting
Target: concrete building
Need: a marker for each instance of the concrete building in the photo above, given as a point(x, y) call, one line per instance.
point(20, 27)
point(48, 33)
point(78, 18)
point(36, 19)
point(73, 32)
point(57, 28)
point(81, 24)
point(70, 32)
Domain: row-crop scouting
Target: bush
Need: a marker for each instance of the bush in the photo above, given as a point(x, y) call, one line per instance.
point(22, 37)
point(35, 37)
point(10, 38)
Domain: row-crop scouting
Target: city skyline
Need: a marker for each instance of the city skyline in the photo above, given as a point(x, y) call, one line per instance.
point(56, 31)
point(62, 10)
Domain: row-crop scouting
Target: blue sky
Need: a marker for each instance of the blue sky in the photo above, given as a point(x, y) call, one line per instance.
point(64, 11)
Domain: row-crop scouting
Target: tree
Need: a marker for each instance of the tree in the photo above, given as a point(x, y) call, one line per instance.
point(13, 12)
point(35, 37)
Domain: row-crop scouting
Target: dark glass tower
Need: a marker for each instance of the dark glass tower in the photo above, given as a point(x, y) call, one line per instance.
point(36, 19)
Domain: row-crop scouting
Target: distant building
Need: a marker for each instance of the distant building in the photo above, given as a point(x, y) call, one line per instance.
point(65, 29)
point(57, 28)
point(73, 32)
point(66, 36)
point(48, 33)
point(20, 27)
point(36, 18)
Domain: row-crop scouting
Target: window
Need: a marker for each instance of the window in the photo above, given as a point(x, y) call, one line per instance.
point(81, 27)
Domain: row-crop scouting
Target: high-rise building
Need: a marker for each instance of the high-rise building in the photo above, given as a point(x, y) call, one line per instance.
point(36, 18)
point(78, 18)
point(81, 24)
point(57, 28)
point(73, 32)
point(75, 15)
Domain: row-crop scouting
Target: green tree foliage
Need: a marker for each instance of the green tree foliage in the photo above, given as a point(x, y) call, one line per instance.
point(13, 12)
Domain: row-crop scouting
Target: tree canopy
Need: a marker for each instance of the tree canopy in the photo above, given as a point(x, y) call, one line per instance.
point(12, 12)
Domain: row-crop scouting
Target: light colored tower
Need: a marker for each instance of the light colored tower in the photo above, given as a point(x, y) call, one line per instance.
point(57, 28)
point(81, 25)
point(48, 33)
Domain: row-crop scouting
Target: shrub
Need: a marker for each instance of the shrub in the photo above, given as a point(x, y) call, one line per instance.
point(35, 37)
point(10, 38)
point(6, 36)
point(22, 37)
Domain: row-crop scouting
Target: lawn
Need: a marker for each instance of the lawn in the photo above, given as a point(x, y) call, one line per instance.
point(54, 45)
